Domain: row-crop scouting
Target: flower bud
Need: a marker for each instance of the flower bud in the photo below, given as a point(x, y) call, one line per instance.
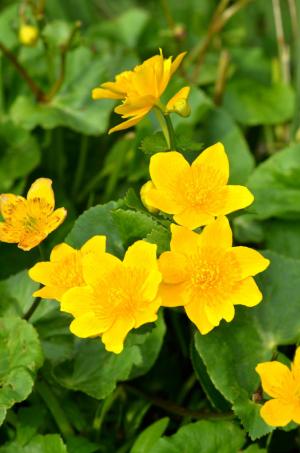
point(144, 196)
point(28, 35)
point(179, 103)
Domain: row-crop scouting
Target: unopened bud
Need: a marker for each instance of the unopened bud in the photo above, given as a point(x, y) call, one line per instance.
point(144, 196)
point(28, 35)
point(182, 108)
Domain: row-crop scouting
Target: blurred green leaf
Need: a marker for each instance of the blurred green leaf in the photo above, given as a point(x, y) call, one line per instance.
point(146, 440)
point(50, 443)
point(16, 294)
point(232, 351)
point(21, 356)
point(57, 33)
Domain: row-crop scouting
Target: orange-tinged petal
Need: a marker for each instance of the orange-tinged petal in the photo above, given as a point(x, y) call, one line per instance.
point(8, 204)
point(277, 412)
point(217, 233)
point(101, 93)
point(114, 337)
point(192, 218)
point(166, 170)
point(214, 158)
point(8, 234)
point(249, 261)
point(183, 240)
point(127, 124)
point(246, 293)
point(173, 295)
point(42, 189)
point(276, 378)
point(61, 251)
point(30, 240)
point(97, 267)
point(56, 219)
point(88, 325)
point(78, 301)
point(96, 245)
point(177, 62)
point(235, 198)
point(173, 266)
point(196, 313)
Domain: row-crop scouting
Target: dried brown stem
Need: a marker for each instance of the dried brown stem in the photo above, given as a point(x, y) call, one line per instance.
point(283, 48)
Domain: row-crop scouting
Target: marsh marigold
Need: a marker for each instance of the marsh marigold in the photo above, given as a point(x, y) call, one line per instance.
point(205, 274)
point(64, 270)
point(195, 194)
point(119, 296)
point(283, 385)
point(141, 89)
point(28, 221)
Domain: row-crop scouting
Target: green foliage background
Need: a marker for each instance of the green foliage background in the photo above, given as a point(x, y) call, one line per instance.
point(172, 390)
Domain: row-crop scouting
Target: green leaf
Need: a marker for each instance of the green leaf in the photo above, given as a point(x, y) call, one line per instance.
point(21, 356)
point(19, 154)
point(50, 443)
point(203, 437)
point(96, 371)
point(155, 143)
point(275, 185)
point(232, 351)
point(146, 440)
point(283, 237)
point(8, 21)
point(248, 229)
point(252, 103)
point(16, 294)
point(81, 445)
point(57, 33)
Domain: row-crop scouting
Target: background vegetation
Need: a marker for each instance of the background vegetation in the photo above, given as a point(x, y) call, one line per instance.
point(171, 390)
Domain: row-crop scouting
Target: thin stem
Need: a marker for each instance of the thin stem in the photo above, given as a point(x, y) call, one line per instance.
point(55, 408)
point(176, 409)
point(294, 13)
point(36, 90)
point(283, 49)
point(81, 163)
point(222, 77)
point(170, 131)
point(162, 121)
point(32, 309)
point(103, 410)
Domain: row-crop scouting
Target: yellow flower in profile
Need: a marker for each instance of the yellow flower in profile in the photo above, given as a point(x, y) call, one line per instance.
point(283, 385)
point(206, 275)
point(119, 296)
point(29, 221)
point(28, 34)
point(195, 194)
point(64, 270)
point(139, 89)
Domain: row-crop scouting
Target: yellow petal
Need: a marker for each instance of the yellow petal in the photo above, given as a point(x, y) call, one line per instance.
point(276, 378)
point(56, 219)
point(145, 189)
point(136, 106)
point(88, 325)
point(101, 93)
point(214, 158)
point(114, 337)
point(193, 217)
point(127, 124)
point(296, 365)
point(30, 240)
point(249, 261)
point(196, 313)
point(183, 240)
point(163, 200)
point(61, 251)
point(42, 273)
point(78, 301)
point(148, 315)
point(235, 198)
point(218, 310)
point(97, 245)
point(178, 103)
point(141, 254)
point(173, 295)
point(246, 293)
point(97, 267)
point(296, 413)
point(217, 234)
point(42, 189)
point(277, 412)
point(8, 234)
point(166, 170)
point(50, 292)
point(177, 62)
point(173, 266)
point(8, 203)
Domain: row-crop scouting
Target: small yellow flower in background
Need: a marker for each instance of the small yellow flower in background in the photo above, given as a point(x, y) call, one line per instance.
point(195, 194)
point(140, 89)
point(206, 275)
point(28, 34)
point(29, 221)
point(119, 296)
point(144, 196)
point(283, 385)
point(64, 270)
point(179, 104)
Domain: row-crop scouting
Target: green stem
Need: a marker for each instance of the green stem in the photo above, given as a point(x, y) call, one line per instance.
point(81, 163)
point(166, 127)
point(171, 132)
point(55, 408)
point(103, 410)
point(32, 309)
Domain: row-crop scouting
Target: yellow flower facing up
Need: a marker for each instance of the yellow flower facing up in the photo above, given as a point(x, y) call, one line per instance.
point(119, 296)
point(206, 275)
point(283, 385)
point(64, 270)
point(29, 221)
point(195, 194)
point(140, 89)
point(28, 34)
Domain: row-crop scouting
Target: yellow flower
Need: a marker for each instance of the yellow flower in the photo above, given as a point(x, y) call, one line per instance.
point(179, 104)
point(28, 35)
point(119, 296)
point(195, 193)
point(64, 270)
point(139, 89)
point(283, 385)
point(143, 193)
point(29, 221)
point(206, 275)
